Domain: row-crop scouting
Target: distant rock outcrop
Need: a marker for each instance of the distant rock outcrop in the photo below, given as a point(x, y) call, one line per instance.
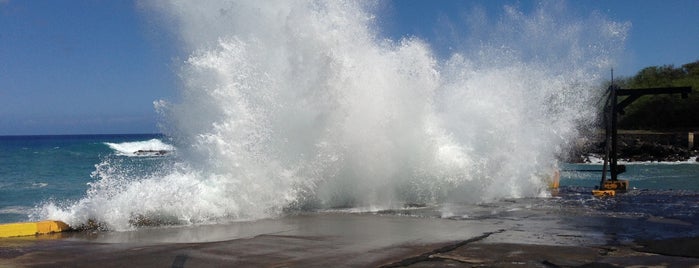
point(637, 147)
point(151, 152)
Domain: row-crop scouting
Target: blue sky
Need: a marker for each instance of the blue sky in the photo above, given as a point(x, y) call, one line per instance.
point(92, 66)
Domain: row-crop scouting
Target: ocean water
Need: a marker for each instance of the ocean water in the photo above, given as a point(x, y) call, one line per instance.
point(680, 176)
point(35, 170)
point(60, 170)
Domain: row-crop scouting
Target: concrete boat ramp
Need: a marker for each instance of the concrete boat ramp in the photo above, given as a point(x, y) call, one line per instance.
point(500, 238)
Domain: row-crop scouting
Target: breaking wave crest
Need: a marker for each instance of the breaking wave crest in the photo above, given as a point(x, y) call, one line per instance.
point(140, 148)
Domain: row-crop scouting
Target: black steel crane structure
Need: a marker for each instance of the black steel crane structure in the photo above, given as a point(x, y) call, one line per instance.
point(612, 108)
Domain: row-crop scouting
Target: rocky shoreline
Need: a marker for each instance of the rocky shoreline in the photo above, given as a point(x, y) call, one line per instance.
point(637, 147)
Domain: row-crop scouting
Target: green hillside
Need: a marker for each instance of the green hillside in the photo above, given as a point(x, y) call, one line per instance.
point(663, 112)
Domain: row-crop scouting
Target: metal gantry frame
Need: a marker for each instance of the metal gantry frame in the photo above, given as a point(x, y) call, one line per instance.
point(611, 109)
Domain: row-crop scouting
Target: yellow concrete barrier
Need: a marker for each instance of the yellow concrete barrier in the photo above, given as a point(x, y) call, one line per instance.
point(32, 228)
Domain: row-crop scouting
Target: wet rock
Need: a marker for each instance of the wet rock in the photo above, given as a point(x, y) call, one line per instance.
point(637, 148)
point(152, 152)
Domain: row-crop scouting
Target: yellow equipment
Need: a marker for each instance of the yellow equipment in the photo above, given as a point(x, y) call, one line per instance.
point(617, 185)
point(603, 193)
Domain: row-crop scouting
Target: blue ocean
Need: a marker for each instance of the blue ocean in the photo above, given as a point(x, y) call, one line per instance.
point(37, 172)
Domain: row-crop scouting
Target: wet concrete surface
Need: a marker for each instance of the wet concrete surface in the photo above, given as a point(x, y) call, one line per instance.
point(318, 239)
point(534, 233)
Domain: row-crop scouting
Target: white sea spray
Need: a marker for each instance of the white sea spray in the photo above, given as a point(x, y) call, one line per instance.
point(300, 104)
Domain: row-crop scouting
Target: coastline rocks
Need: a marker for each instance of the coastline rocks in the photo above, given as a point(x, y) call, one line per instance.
point(634, 148)
point(151, 152)
point(639, 150)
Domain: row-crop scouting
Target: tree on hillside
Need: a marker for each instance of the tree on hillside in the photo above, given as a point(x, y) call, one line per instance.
point(663, 112)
